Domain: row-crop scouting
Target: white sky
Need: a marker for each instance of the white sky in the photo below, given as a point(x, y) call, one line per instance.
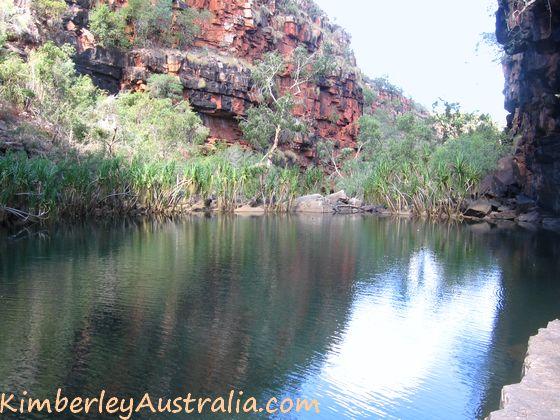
point(427, 47)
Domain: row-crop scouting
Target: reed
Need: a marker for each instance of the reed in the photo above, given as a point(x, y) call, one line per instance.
point(94, 185)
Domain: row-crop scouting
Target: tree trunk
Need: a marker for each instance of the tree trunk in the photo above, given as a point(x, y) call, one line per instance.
point(269, 154)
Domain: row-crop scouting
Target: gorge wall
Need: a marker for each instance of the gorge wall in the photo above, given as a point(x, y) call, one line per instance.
point(216, 70)
point(530, 33)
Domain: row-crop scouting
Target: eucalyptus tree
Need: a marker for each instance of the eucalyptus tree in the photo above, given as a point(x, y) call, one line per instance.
point(273, 122)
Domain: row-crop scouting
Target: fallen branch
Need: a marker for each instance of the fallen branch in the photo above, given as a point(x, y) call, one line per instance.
point(23, 215)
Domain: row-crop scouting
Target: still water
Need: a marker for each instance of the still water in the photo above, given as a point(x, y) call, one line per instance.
point(374, 318)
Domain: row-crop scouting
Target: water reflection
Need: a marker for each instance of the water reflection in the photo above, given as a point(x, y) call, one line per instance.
point(372, 317)
point(406, 340)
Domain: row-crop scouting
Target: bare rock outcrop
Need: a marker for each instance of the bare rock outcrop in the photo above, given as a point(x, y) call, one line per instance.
point(530, 33)
point(537, 396)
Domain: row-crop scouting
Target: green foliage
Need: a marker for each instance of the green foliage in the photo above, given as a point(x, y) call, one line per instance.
point(73, 187)
point(165, 86)
point(301, 8)
point(470, 156)
point(153, 123)
point(273, 122)
point(108, 26)
point(450, 122)
point(262, 123)
point(143, 125)
point(48, 86)
point(369, 130)
point(369, 97)
point(14, 76)
point(60, 96)
point(12, 21)
point(383, 83)
point(408, 168)
point(154, 24)
point(290, 8)
point(187, 25)
point(49, 9)
point(414, 127)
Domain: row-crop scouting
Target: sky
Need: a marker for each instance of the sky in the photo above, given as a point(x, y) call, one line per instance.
point(428, 48)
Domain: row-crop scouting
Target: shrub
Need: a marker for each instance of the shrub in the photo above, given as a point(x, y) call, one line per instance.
point(14, 76)
point(369, 97)
point(139, 124)
point(49, 9)
point(60, 95)
point(450, 122)
point(165, 86)
point(471, 156)
point(12, 21)
point(369, 130)
point(156, 24)
point(409, 168)
point(383, 83)
point(187, 25)
point(108, 26)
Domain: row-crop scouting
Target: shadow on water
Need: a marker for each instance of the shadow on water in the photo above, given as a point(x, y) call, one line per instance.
point(373, 317)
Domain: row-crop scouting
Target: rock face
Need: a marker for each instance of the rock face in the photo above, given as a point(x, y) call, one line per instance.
point(216, 70)
point(530, 33)
point(538, 394)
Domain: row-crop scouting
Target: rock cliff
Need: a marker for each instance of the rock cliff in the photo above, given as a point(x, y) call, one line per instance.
point(530, 33)
point(216, 70)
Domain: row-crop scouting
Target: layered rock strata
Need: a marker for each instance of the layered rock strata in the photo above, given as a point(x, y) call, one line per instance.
point(216, 70)
point(530, 33)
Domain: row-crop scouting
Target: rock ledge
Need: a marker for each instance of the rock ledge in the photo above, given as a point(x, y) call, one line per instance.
point(537, 396)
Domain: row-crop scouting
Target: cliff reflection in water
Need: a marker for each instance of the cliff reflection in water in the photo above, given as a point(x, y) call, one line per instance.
point(372, 317)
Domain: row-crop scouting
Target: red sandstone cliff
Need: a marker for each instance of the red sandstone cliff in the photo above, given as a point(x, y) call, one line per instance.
point(216, 70)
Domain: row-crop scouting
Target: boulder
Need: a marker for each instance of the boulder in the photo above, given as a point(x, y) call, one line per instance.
point(531, 217)
point(356, 202)
point(479, 209)
point(314, 203)
point(524, 204)
point(338, 197)
point(551, 224)
point(504, 181)
point(503, 215)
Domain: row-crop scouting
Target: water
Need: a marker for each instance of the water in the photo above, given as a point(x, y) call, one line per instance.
point(374, 318)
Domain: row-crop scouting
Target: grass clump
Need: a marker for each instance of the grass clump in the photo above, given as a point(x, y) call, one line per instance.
point(78, 187)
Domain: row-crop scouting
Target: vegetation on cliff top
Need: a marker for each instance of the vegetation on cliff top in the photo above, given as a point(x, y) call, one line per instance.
point(143, 23)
